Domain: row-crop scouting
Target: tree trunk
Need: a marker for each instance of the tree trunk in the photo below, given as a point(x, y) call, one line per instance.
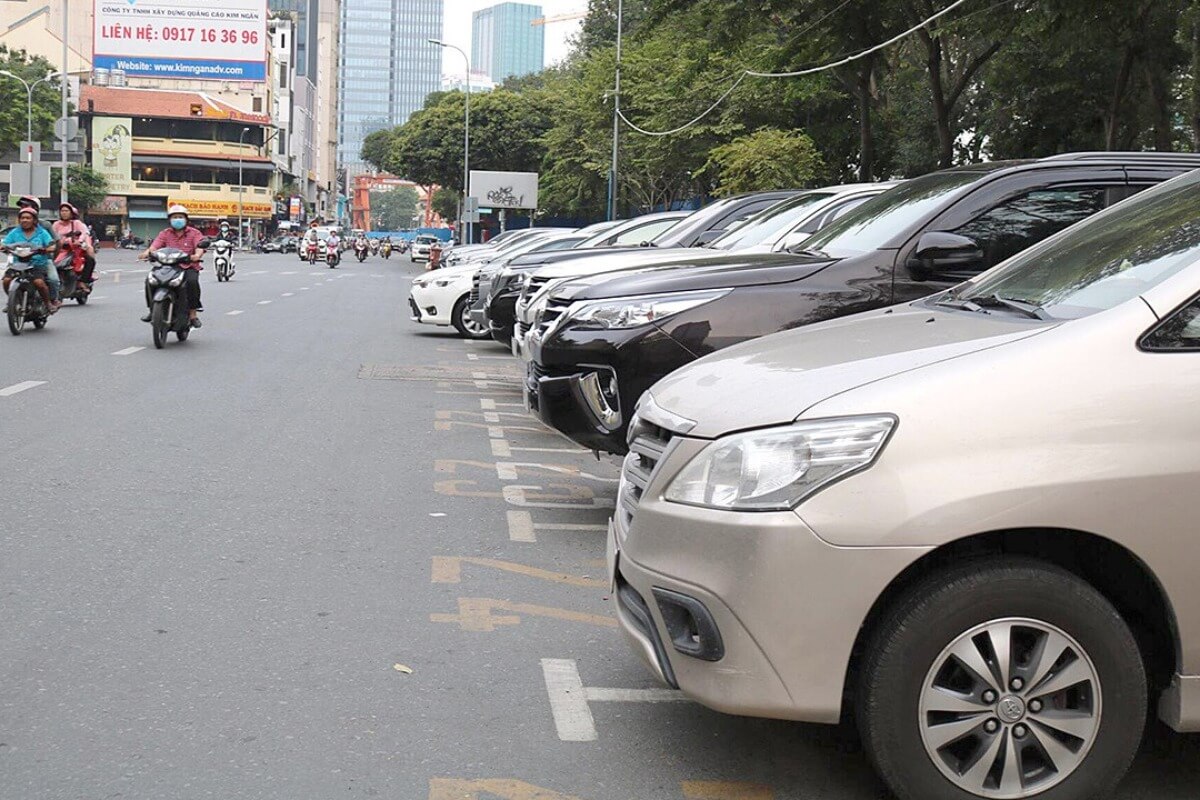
point(866, 136)
point(941, 109)
point(1195, 77)
point(1112, 121)
point(1161, 103)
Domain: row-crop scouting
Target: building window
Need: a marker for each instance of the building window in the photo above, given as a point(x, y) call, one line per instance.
point(258, 105)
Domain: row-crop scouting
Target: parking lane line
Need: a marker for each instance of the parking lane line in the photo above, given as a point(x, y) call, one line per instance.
point(17, 388)
point(288, 294)
point(128, 351)
point(264, 302)
point(233, 313)
point(568, 705)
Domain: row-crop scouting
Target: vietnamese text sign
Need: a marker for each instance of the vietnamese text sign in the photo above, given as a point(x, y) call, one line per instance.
point(217, 209)
point(505, 189)
point(112, 151)
point(195, 39)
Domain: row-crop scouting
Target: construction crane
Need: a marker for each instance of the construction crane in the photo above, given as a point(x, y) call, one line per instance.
point(559, 18)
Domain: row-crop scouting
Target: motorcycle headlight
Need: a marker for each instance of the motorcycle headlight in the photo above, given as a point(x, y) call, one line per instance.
point(152, 279)
point(177, 281)
point(630, 312)
point(778, 468)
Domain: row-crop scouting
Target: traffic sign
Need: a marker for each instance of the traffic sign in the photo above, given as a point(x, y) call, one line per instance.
point(66, 127)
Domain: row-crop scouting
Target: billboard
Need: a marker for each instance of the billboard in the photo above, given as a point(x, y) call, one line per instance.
point(505, 189)
point(219, 209)
point(112, 151)
point(195, 39)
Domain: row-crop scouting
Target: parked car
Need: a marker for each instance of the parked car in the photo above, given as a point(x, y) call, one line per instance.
point(915, 239)
point(697, 230)
point(475, 252)
point(967, 522)
point(280, 244)
point(443, 297)
point(420, 247)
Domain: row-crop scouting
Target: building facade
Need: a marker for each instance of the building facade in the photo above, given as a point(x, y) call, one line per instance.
point(388, 68)
point(505, 42)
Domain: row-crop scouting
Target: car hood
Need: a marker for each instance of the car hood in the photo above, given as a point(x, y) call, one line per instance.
point(447, 273)
point(730, 270)
point(773, 380)
point(529, 261)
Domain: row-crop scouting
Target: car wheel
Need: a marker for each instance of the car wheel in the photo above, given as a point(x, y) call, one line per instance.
point(464, 324)
point(1002, 678)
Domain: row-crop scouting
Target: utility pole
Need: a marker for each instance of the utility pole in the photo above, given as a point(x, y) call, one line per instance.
point(66, 75)
point(616, 134)
point(241, 184)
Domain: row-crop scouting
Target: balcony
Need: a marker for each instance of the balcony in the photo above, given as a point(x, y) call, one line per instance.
point(143, 145)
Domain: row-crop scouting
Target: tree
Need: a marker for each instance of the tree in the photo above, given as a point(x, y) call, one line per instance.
point(377, 149)
point(85, 187)
point(766, 159)
point(445, 203)
point(394, 210)
point(14, 101)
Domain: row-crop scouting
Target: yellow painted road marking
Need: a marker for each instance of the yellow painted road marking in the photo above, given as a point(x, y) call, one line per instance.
point(448, 569)
point(504, 788)
point(726, 790)
point(475, 614)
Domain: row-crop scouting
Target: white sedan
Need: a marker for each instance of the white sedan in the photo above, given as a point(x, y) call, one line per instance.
point(420, 247)
point(443, 297)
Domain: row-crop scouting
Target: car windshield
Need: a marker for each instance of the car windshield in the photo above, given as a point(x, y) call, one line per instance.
point(1106, 260)
point(652, 227)
point(767, 226)
point(876, 222)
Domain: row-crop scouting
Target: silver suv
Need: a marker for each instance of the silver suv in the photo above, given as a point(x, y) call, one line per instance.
point(968, 522)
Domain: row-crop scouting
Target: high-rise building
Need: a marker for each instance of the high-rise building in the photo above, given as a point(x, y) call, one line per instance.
point(505, 42)
point(388, 68)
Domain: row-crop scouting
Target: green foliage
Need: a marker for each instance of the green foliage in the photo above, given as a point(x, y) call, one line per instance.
point(394, 209)
point(85, 187)
point(377, 148)
point(14, 100)
point(445, 203)
point(766, 159)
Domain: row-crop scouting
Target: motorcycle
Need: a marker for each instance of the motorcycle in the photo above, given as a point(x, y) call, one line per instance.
point(361, 250)
point(70, 264)
point(332, 255)
point(25, 303)
point(223, 260)
point(385, 250)
point(168, 306)
point(313, 250)
point(374, 243)
point(402, 246)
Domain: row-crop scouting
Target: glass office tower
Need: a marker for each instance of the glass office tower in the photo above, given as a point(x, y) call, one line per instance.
point(388, 68)
point(505, 42)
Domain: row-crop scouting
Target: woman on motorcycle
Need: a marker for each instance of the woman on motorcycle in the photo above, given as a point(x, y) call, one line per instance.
point(68, 222)
point(29, 232)
point(181, 236)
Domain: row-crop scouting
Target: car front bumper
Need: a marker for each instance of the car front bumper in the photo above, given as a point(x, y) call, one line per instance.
point(784, 606)
point(428, 306)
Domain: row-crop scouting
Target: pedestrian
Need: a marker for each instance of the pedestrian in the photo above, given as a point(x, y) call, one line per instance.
point(435, 254)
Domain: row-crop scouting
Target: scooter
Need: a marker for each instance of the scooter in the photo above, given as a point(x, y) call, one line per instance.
point(361, 250)
point(313, 252)
point(385, 250)
point(168, 305)
point(332, 255)
point(374, 244)
point(223, 260)
point(70, 264)
point(25, 302)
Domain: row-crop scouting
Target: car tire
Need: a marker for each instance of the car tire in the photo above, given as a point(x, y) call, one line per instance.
point(460, 317)
point(925, 720)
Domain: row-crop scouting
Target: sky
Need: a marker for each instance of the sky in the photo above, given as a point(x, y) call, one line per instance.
point(457, 28)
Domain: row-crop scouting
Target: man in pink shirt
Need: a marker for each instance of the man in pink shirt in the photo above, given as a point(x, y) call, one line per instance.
point(181, 236)
point(68, 222)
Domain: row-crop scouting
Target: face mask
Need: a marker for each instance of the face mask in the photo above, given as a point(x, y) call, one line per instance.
point(178, 224)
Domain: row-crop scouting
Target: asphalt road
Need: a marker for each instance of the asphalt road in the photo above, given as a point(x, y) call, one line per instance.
point(219, 562)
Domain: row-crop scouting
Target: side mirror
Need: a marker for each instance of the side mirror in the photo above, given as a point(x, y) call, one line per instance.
point(204, 243)
point(708, 236)
point(941, 255)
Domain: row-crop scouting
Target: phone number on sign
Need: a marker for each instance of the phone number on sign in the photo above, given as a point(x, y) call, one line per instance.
point(208, 35)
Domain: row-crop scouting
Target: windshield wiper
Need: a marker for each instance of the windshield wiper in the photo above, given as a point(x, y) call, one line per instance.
point(950, 301)
point(1031, 310)
point(808, 251)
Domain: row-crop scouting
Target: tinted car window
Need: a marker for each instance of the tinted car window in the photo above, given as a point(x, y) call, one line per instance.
point(1180, 331)
point(873, 224)
point(769, 225)
point(1107, 259)
point(1021, 222)
point(646, 232)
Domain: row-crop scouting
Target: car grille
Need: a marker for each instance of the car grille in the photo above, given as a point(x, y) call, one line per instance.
point(475, 289)
point(554, 309)
point(533, 285)
point(647, 444)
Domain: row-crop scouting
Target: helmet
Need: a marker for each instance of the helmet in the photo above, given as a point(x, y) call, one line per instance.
point(177, 209)
point(224, 223)
point(74, 211)
point(29, 202)
point(30, 210)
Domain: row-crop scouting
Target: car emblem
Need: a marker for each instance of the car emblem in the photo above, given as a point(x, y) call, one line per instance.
point(1011, 708)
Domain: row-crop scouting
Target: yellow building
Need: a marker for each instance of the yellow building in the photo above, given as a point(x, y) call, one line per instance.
point(159, 147)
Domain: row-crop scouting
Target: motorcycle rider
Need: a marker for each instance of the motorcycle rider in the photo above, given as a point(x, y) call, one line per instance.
point(181, 236)
point(68, 222)
point(311, 237)
point(226, 234)
point(332, 241)
point(29, 232)
point(360, 242)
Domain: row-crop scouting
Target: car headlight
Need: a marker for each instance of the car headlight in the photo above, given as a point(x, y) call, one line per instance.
point(776, 469)
point(443, 283)
point(630, 312)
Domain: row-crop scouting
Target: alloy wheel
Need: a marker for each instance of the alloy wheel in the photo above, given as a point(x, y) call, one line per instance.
point(1010, 708)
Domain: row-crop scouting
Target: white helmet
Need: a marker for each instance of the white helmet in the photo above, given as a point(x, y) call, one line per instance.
point(177, 209)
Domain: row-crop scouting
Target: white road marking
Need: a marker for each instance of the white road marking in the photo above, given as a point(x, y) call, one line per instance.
point(128, 351)
point(288, 294)
point(264, 302)
point(472, 357)
point(17, 388)
point(233, 313)
point(522, 528)
point(569, 699)
point(258, 272)
point(304, 288)
point(287, 273)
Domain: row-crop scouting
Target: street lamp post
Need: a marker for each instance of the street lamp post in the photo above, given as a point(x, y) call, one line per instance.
point(241, 187)
point(29, 87)
point(466, 138)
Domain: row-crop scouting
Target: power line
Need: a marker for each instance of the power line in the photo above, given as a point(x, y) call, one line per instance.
point(795, 74)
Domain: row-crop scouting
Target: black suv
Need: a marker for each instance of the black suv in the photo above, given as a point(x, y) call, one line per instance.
point(695, 230)
point(599, 344)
